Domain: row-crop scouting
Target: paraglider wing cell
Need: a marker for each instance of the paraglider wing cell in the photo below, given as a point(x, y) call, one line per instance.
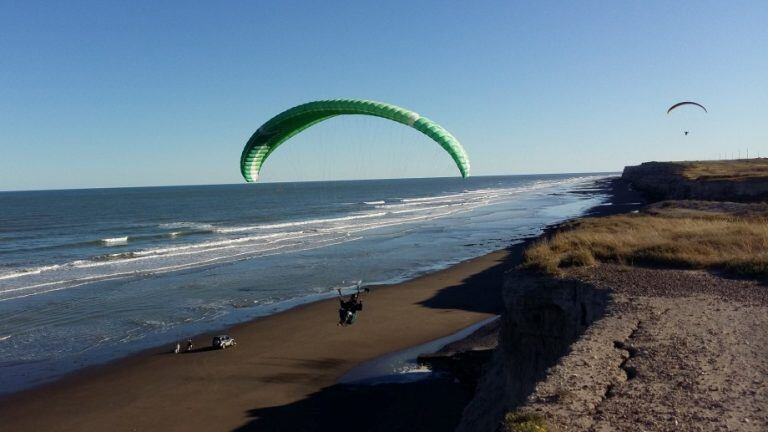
point(289, 123)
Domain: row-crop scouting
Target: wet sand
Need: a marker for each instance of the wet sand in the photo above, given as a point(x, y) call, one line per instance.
point(280, 361)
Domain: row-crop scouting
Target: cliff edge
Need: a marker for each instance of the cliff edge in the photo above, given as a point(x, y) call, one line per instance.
point(652, 320)
point(743, 180)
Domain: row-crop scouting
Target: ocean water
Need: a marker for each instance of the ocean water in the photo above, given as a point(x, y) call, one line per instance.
point(87, 276)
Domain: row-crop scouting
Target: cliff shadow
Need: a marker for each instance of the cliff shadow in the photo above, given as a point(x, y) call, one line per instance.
point(427, 405)
point(480, 292)
point(622, 198)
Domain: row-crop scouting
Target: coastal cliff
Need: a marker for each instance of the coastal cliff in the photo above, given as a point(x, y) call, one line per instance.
point(626, 349)
point(544, 317)
point(742, 180)
point(651, 319)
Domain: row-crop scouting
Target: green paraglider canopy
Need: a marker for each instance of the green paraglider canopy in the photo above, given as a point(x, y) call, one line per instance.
point(289, 123)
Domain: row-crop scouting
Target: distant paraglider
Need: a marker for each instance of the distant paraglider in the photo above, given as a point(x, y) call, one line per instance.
point(289, 123)
point(680, 104)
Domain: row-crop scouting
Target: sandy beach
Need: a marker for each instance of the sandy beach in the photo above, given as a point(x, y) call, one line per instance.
point(279, 360)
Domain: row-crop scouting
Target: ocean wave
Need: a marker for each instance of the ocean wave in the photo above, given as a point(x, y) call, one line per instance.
point(176, 234)
point(299, 223)
point(374, 202)
point(113, 256)
point(110, 259)
point(395, 222)
point(30, 271)
point(433, 198)
point(424, 208)
point(314, 233)
point(416, 206)
point(73, 283)
point(114, 241)
point(179, 229)
point(152, 323)
point(214, 244)
point(200, 226)
point(76, 282)
point(107, 241)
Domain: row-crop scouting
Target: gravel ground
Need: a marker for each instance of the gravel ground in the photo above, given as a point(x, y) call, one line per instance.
point(678, 350)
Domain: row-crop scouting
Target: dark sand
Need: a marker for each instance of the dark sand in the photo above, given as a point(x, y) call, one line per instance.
point(281, 375)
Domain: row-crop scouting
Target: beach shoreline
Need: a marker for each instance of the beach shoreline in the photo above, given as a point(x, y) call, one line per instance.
point(295, 353)
point(99, 303)
point(281, 359)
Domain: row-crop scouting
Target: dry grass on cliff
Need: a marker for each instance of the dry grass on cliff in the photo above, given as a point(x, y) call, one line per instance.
point(673, 235)
point(733, 170)
point(524, 421)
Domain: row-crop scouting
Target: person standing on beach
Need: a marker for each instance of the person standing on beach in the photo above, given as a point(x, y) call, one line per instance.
point(189, 345)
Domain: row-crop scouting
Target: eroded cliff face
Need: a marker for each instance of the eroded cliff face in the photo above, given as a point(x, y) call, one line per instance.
point(544, 316)
point(665, 180)
point(671, 350)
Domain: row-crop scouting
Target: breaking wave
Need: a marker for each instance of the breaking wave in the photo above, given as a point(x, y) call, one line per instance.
point(171, 249)
point(115, 241)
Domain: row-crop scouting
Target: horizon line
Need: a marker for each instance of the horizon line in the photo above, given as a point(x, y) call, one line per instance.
point(293, 181)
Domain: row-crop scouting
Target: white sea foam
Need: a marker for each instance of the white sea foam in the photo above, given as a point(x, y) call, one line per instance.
point(214, 244)
point(115, 241)
point(299, 223)
point(117, 275)
point(195, 226)
point(432, 198)
point(424, 209)
point(29, 272)
point(275, 238)
point(143, 255)
point(66, 284)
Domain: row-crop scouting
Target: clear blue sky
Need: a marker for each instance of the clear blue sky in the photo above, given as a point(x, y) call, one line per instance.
point(105, 93)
